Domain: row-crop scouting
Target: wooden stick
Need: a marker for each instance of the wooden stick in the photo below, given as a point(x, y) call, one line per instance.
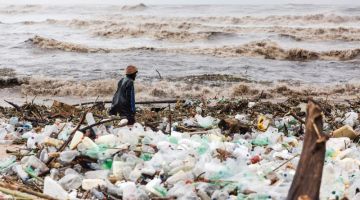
point(99, 123)
point(13, 105)
point(297, 117)
point(16, 193)
point(170, 119)
point(25, 190)
point(138, 102)
point(159, 74)
point(282, 164)
point(307, 179)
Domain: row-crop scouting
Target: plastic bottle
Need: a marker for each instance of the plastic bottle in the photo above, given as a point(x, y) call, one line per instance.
point(34, 163)
point(97, 174)
point(155, 188)
point(20, 172)
point(3, 133)
point(13, 120)
point(54, 189)
point(71, 181)
point(7, 162)
point(117, 169)
point(88, 184)
point(78, 136)
point(109, 140)
point(129, 190)
point(54, 174)
point(180, 176)
point(205, 122)
point(68, 156)
point(88, 143)
point(97, 194)
point(351, 119)
point(53, 142)
point(90, 120)
point(44, 155)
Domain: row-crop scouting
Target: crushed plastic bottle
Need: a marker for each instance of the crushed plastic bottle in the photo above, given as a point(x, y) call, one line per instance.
point(68, 156)
point(7, 162)
point(71, 181)
point(205, 122)
point(154, 187)
point(351, 119)
point(20, 172)
point(78, 136)
point(13, 121)
point(34, 163)
point(88, 184)
point(54, 189)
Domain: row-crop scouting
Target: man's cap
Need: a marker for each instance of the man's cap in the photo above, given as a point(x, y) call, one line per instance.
point(131, 69)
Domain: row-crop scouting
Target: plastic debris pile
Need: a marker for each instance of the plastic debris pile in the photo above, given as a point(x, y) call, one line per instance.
point(113, 162)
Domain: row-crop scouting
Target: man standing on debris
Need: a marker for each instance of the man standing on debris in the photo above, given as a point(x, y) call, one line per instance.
point(123, 102)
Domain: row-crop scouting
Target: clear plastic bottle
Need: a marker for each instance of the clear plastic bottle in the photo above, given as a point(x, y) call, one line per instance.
point(71, 181)
point(20, 172)
point(68, 156)
point(54, 189)
point(129, 190)
point(7, 162)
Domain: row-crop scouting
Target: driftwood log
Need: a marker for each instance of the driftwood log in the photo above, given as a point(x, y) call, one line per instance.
point(307, 179)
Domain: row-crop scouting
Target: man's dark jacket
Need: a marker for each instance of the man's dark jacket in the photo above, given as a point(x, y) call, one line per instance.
point(123, 102)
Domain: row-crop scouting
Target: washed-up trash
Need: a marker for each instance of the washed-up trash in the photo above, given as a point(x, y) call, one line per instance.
point(7, 162)
point(351, 119)
point(205, 122)
point(71, 181)
point(78, 136)
point(251, 104)
point(54, 189)
point(233, 126)
point(257, 160)
point(88, 184)
point(263, 123)
point(18, 169)
point(123, 122)
point(345, 131)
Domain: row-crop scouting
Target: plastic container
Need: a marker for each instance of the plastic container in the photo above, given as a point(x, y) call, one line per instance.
point(54, 189)
point(7, 162)
point(20, 172)
point(71, 181)
point(68, 156)
point(88, 184)
point(78, 136)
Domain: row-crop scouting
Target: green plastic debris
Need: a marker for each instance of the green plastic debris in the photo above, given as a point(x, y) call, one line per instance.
point(330, 153)
point(146, 156)
point(260, 142)
point(162, 191)
point(173, 140)
point(222, 174)
point(202, 148)
point(107, 164)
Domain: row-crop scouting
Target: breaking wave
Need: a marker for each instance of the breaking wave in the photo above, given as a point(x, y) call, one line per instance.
point(138, 7)
point(46, 43)
point(19, 9)
point(189, 30)
point(266, 49)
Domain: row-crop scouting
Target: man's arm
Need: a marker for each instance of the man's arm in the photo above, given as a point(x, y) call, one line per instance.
point(132, 97)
